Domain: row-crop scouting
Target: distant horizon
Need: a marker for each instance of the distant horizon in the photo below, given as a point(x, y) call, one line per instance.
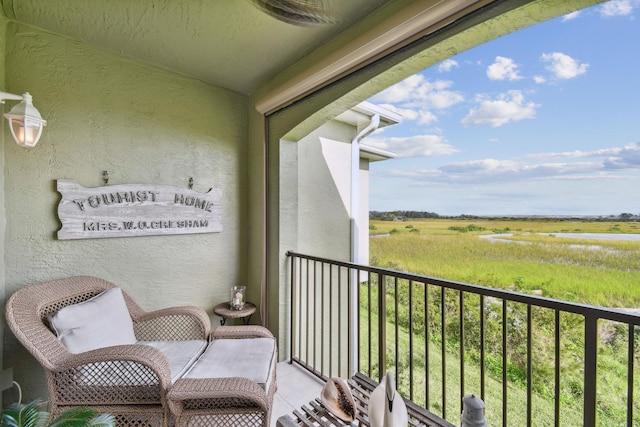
point(542, 121)
point(619, 216)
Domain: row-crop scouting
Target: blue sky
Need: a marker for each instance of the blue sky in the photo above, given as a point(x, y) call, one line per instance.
point(544, 121)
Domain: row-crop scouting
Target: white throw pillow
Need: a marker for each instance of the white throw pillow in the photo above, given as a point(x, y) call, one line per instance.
point(101, 321)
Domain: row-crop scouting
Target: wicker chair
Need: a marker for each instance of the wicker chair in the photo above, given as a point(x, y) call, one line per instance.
point(139, 396)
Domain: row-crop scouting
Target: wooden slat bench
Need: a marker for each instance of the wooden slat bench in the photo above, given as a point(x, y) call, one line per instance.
point(315, 415)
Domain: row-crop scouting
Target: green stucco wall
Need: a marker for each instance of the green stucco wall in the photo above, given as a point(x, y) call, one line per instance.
point(143, 125)
point(3, 45)
point(3, 37)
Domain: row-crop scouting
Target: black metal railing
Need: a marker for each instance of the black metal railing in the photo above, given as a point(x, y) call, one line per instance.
point(533, 360)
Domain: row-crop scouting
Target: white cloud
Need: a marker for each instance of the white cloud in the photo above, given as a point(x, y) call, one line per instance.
point(601, 164)
point(414, 146)
point(402, 91)
point(563, 66)
point(617, 8)
point(426, 118)
point(539, 79)
point(416, 98)
point(417, 90)
point(447, 65)
point(603, 152)
point(438, 99)
point(571, 16)
point(626, 158)
point(484, 166)
point(503, 69)
point(492, 170)
point(507, 107)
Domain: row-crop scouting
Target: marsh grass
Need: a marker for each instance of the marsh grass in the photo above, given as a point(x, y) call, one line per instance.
point(605, 273)
point(542, 225)
point(555, 267)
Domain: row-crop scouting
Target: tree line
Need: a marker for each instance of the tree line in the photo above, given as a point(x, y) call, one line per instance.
point(402, 215)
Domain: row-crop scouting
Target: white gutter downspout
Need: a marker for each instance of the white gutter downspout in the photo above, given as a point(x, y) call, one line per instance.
point(355, 235)
point(355, 183)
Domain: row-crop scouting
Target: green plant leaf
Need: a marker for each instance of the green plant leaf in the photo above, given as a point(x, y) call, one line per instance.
point(29, 415)
point(24, 415)
point(103, 420)
point(75, 417)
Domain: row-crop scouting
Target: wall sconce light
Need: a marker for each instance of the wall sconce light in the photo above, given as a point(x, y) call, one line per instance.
point(24, 119)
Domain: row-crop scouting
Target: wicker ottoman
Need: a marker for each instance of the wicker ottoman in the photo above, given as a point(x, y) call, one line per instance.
point(231, 384)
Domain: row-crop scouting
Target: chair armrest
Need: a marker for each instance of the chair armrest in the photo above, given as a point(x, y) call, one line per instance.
point(123, 374)
point(143, 355)
point(232, 388)
point(252, 331)
point(173, 324)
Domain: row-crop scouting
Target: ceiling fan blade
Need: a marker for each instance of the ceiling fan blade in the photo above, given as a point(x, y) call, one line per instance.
point(298, 12)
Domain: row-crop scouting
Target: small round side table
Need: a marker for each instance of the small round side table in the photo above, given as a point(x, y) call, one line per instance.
point(223, 310)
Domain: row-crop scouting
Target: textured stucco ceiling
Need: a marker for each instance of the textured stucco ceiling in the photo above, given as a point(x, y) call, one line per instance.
point(230, 43)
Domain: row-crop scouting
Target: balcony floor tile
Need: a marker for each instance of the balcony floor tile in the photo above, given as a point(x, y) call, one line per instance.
point(296, 387)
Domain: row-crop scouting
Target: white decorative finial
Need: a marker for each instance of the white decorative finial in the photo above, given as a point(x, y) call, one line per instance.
point(386, 406)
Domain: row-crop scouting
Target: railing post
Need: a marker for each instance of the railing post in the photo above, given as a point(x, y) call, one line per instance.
point(353, 284)
point(590, 369)
point(630, 369)
point(294, 313)
point(382, 326)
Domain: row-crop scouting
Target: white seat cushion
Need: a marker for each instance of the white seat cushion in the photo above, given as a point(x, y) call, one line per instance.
point(181, 354)
point(251, 358)
point(101, 321)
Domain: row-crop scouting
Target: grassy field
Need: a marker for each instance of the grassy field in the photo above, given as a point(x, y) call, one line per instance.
point(551, 266)
point(598, 272)
point(542, 225)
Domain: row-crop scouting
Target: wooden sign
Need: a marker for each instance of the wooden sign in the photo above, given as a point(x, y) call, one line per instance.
point(136, 210)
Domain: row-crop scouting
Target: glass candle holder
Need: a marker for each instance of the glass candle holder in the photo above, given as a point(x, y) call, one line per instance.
point(237, 297)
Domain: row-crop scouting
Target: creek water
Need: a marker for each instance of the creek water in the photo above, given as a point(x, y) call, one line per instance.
point(597, 236)
point(600, 236)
